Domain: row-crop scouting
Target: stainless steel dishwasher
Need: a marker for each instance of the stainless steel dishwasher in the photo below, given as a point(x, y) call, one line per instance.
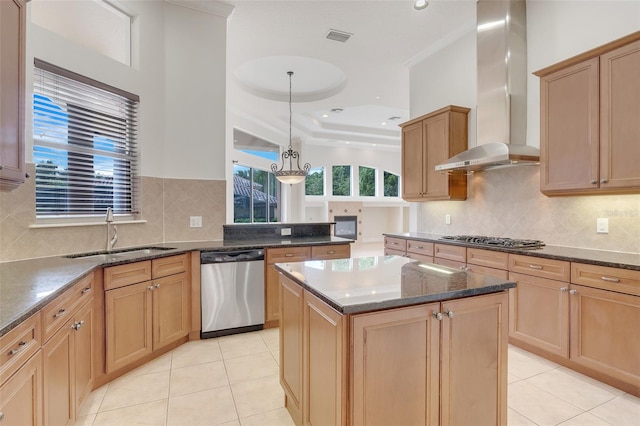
point(232, 291)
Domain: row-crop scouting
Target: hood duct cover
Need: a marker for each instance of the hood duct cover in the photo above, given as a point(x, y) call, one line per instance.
point(501, 113)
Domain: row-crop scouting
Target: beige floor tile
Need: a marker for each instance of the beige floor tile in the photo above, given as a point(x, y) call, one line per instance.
point(92, 402)
point(251, 367)
point(271, 337)
point(258, 396)
point(512, 378)
point(579, 390)
point(134, 390)
point(197, 378)
point(209, 407)
point(241, 345)
point(585, 419)
point(622, 411)
point(196, 352)
point(523, 364)
point(276, 356)
point(233, 423)
point(539, 406)
point(157, 365)
point(516, 419)
point(151, 414)
point(85, 420)
point(279, 417)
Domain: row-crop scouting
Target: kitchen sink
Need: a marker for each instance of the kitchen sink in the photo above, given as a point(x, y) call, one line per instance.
point(121, 253)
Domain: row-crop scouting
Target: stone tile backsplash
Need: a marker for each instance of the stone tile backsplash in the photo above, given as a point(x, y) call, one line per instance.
point(166, 205)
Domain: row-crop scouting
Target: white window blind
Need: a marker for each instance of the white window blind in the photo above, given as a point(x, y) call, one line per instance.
point(85, 150)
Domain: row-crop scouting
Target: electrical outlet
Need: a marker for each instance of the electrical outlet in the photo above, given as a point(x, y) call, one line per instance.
point(195, 221)
point(447, 219)
point(602, 225)
point(285, 231)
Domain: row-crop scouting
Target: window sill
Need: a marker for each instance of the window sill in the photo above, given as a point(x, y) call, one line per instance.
point(75, 224)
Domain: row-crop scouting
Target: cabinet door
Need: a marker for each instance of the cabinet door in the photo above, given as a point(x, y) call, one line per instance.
point(398, 351)
point(474, 383)
point(619, 123)
point(324, 364)
point(271, 297)
point(13, 23)
point(413, 158)
point(291, 317)
point(84, 356)
point(436, 136)
point(569, 128)
point(604, 332)
point(59, 377)
point(128, 318)
point(21, 401)
point(170, 309)
point(539, 313)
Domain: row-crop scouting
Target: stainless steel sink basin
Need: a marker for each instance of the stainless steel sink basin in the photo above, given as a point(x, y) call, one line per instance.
point(119, 254)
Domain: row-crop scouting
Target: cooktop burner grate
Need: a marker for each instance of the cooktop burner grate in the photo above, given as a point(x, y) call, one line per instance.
point(494, 241)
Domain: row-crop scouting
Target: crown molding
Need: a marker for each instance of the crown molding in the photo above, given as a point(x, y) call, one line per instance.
point(212, 7)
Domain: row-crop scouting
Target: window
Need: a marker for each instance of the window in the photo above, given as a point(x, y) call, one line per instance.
point(256, 195)
point(85, 149)
point(367, 181)
point(341, 180)
point(390, 184)
point(314, 183)
point(255, 146)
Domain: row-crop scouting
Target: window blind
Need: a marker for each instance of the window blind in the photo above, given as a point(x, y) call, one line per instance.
point(85, 148)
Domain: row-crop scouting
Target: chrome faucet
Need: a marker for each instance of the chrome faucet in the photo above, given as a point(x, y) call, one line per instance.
point(109, 219)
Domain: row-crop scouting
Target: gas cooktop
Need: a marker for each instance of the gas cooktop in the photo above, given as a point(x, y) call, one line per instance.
point(494, 241)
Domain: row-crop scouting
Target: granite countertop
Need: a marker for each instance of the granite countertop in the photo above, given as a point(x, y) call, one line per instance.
point(595, 257)
point(365, 284)
point(26, 286)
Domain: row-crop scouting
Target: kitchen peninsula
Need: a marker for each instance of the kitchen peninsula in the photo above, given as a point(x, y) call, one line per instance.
point(387, 340)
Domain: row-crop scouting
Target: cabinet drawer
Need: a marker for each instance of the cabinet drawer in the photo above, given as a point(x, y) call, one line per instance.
point(449, 263)
point(56, 313)
point(340, 251)
point(445, 251)
point(169, 265)
point(488, 258)
point(288, 254)
point(606, 278)
point(540, 267)
point(123, 275)
point(395, 243)
point(18, 345)
point(393, 252)
point(420, 257)
point(492, 272)
point(419, 247)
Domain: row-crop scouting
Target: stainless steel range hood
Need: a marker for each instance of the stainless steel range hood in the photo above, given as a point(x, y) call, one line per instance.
point(501, 113)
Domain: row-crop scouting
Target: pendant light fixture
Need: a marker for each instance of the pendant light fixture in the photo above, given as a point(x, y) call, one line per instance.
point(290, 176)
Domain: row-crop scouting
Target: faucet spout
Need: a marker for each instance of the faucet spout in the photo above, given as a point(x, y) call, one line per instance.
point(109, 220)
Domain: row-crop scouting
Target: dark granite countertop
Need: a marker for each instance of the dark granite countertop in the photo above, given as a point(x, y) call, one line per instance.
point(365, 284)
point(570, 254)
point(26, 286)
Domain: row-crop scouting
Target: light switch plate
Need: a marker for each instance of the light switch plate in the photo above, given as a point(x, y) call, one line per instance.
point(602, 225)
point(447, 219)
point(285, 231)
point(195, 221)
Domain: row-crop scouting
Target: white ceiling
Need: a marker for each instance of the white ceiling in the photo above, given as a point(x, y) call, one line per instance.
point(367, 76)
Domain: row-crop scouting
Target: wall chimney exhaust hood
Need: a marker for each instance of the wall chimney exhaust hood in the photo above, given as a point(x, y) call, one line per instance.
point(501, 113)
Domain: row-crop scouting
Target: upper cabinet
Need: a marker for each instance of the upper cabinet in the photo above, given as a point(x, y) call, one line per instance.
point(13, 22)
point(589, 119)
point(430, 140)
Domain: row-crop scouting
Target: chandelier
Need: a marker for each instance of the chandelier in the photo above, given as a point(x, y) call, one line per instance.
point(290, 176)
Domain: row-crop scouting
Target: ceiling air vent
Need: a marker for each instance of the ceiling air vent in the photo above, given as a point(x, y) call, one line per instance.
point(340, 36)
point(395, 117)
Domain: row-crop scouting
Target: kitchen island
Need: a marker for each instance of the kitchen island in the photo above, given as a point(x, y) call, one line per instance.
point(387, 340)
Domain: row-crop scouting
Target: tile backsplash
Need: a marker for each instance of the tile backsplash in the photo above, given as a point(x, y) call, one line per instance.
point(508, 203)
point(166, 206)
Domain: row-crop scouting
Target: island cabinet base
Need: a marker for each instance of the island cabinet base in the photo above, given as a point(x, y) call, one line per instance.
point(441, 363)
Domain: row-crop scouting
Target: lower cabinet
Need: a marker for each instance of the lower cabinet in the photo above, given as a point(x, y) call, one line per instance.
point(21, 401)
point(408, 365)
point(143, 317)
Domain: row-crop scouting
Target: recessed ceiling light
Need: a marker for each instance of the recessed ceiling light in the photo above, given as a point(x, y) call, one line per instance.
point(374, 144)
point(325, 115)
point(420, 4)
point(377, 97)
point(384, 123)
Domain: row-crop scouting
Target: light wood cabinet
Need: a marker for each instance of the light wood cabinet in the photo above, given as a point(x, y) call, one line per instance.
point(291, 317)
point(21, 402)
point(13, 23)
point(426, 142)
point(59, 377)
point(589, 108)
point(146, 316)
point(275, 255)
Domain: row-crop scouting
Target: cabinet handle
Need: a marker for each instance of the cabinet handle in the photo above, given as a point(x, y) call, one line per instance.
point(393, 243)
point(603, 180)
point(85, 290)
point(438, 316)
point(564, 289)
point(77, 326)
point(573, 291)
point(21, 346)
point(288, 255)
point(449, 313)
point(1, 413)
point(156, 286)
point(464, 268)
point(420, 247)
point(535, 266)
point(59, 313)
point(150, 287)
point(331, 252)
point(593, 181)
point(611, 279)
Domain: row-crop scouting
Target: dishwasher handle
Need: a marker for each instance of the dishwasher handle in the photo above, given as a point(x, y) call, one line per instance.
point(231, 256)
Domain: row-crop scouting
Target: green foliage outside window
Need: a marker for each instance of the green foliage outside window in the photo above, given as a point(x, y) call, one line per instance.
point(367, 181)
point(341, 180)
point(390, 185)
point(314, 183)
